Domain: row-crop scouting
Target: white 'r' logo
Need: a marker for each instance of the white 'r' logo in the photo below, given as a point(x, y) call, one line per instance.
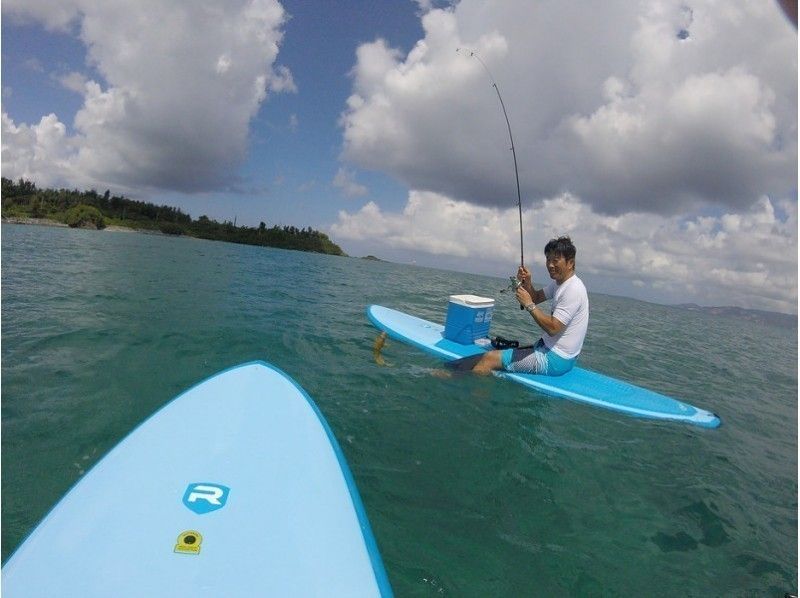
point(212, 494)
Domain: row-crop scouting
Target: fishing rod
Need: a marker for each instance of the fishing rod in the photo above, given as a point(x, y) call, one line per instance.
point(472, 54)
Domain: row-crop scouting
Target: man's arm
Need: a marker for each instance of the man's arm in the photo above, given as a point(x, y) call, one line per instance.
point(537, 295)
point(550, 324)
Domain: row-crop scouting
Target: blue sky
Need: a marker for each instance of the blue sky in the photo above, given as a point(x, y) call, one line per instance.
point(662, 136)
point(298, 165)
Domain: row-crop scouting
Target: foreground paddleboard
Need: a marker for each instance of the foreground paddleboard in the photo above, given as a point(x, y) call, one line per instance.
point(236, 488)
point(580, 385)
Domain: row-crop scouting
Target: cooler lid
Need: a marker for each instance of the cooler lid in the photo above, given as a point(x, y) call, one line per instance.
point(472, 300)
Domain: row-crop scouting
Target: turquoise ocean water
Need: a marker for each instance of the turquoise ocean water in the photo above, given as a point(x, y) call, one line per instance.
point(474, 487)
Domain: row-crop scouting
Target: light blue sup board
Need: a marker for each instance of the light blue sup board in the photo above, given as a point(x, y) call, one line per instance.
point(235, 488)
point(584, 386)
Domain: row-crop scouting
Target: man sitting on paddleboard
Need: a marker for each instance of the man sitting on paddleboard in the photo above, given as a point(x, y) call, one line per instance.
point(564, 328)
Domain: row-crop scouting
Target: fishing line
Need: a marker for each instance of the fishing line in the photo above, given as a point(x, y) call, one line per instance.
point(514, 282)
point(513, 151)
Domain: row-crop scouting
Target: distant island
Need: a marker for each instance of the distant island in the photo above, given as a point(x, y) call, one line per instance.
point(372, 258)
point(23, 202)
point(753, 315)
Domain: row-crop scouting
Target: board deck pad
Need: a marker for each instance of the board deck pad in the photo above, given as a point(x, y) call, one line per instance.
point(235, 488)
point(579, 384)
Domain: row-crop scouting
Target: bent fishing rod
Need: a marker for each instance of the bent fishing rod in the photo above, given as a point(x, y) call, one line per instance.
point(472, 54)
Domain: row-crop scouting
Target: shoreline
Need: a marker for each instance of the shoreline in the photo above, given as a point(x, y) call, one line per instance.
point(32, 221)
point(54, 223)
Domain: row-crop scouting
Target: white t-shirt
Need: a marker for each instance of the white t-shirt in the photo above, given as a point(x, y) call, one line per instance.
point(570, 307)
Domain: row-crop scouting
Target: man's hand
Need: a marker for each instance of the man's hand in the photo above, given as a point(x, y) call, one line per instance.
point(524, 276)
point(526, 282)
point(523, 296)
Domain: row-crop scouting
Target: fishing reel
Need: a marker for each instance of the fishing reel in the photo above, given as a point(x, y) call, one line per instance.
point(513, 286)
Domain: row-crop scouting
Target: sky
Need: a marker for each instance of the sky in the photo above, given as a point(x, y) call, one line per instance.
point(660, 135)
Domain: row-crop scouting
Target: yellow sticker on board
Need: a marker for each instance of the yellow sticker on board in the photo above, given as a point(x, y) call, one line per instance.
point(189, 542)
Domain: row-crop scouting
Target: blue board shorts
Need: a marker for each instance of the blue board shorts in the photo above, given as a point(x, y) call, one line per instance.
point(537, 360)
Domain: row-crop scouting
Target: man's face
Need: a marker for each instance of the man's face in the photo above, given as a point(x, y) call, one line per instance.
point(559, 268)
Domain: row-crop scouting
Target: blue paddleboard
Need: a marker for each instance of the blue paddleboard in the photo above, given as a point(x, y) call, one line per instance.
point(580, 385)
point(235, 488)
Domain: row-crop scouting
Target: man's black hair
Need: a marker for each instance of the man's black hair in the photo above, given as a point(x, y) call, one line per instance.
point(562, 246)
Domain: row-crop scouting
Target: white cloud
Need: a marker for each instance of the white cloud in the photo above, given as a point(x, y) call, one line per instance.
point(181, 82)
point(652, 106)
point(346, 181)
point(55, 16)
point(660, 134)
point(307, 186)
point(34, 65)
point(747, 259)
point(419, 226)
point(39, 152)
point(73, 81)
point(282, 80)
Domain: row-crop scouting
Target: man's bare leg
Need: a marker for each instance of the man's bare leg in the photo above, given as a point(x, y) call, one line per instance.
point(491, 361)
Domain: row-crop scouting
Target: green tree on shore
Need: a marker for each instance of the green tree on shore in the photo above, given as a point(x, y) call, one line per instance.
point(25, 199)
point(83, 216)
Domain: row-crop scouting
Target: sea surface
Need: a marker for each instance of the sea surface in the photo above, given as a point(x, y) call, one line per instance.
point(473, 486)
